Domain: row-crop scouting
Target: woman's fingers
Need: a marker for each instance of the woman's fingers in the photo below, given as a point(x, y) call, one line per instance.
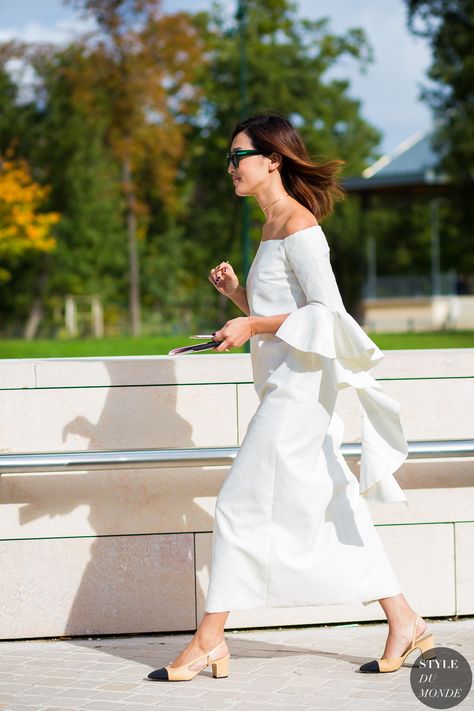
point(218, 272)
point(221, 266)
point(223, 345)
point(220, 339)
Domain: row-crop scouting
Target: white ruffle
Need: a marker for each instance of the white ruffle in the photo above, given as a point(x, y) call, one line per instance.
point(334, 334)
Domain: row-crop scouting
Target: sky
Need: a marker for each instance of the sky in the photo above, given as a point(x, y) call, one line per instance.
point(388, 91)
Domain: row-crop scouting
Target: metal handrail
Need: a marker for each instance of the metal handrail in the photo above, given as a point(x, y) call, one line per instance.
point(194, 457)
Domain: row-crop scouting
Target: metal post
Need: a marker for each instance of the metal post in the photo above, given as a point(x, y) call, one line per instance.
point(97, 317)
point(241, 16)
point(371, 268)
point(435, 248)
point(71, 316)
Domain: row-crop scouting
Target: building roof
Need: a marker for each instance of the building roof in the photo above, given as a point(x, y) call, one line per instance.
point(412, 163)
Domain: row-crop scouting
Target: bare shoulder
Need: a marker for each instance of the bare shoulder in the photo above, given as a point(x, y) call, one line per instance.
point(300, 220)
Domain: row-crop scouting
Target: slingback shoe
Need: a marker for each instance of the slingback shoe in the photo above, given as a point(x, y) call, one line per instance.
point(220, 668)
point(390, 664)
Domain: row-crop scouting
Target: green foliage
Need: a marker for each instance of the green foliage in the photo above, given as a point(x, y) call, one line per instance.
point(448, 25)
point(72, 131)
point(68, 152)
point(87, 179)
point(449, 28)
point(288, 59)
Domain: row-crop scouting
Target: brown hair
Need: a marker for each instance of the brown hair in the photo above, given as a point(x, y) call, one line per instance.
point(315, 185)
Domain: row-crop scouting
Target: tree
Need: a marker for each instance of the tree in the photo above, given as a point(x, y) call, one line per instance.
point(67, 149)
point(449, 28)
point(159, 94)
point(288, 62)
point(146, 63)
point(72, 150)
point(23, 227)
point(448, 25)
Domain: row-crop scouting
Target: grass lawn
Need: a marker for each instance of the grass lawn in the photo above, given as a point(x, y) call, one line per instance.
point(122, 346)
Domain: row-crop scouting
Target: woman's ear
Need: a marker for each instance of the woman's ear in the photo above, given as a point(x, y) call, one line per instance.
point(276, 159)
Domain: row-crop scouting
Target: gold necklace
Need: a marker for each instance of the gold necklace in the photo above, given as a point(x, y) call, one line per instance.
point(272, 203)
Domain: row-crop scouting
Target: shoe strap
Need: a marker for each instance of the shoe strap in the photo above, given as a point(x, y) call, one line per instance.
point(213, 650)
point(204, 659)
point(414, 631)
point(207, 655)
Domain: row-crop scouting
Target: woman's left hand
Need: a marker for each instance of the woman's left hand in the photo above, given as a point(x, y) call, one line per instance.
point(234, 334)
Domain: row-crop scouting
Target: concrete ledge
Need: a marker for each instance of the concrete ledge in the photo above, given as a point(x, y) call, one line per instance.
point(92, 552)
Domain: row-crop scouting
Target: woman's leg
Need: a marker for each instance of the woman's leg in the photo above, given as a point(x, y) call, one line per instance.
point(400, 618)
point(211, 628)
point(207, 636)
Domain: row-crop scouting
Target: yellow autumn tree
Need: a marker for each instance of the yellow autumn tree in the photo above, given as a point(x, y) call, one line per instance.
point(23, 226)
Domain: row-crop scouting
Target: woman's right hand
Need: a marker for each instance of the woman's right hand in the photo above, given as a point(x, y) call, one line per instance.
point(224, 278)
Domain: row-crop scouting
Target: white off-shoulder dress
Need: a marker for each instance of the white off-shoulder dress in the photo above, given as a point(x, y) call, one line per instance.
point(292, 526)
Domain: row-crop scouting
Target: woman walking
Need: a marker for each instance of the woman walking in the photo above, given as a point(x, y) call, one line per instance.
point(292, 526)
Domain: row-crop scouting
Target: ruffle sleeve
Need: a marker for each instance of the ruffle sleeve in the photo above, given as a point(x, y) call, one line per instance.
point(323, 326)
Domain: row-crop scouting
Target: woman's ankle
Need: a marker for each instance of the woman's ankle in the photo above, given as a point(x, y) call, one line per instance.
point(405, 620)
point(209, 640)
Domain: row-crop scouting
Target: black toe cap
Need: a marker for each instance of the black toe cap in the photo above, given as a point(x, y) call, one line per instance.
point(372, 666)
point(159, 674)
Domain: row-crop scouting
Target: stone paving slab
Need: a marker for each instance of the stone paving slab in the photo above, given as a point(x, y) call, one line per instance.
point(286, 669)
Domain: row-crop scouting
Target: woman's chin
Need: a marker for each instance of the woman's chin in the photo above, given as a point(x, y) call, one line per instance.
point(238, 189)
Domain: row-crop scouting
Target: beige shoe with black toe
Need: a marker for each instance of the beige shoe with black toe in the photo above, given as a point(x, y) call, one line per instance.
point(187, 671)
point(390, 664)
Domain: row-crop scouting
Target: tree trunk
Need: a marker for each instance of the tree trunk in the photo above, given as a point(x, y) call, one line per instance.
point(134, 276)
point(37, 307)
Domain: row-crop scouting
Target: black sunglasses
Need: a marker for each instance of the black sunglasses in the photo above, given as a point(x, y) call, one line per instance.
point(236, 156)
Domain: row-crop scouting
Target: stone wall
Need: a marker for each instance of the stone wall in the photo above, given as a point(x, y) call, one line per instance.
point(128, 551)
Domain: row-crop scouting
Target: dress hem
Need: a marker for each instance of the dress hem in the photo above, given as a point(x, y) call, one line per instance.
point(357, 601)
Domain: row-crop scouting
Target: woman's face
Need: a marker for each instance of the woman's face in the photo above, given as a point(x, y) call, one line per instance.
point(252, 170)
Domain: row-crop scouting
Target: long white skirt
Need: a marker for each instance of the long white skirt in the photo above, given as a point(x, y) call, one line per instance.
point(290, 527)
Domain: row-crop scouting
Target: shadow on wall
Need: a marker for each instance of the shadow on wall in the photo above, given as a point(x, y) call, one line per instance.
point(131, 567)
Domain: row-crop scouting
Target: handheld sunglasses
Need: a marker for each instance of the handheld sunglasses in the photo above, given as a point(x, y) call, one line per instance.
point(236, 156)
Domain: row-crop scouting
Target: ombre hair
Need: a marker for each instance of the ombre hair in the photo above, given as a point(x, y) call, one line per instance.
point(314, 185)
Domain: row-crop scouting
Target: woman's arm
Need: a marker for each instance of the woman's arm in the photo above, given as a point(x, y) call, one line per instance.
point(266, 324)
point(236, 331)
point(239, 297)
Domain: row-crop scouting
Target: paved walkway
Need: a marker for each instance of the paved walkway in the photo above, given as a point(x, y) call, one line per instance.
point(286, 669)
